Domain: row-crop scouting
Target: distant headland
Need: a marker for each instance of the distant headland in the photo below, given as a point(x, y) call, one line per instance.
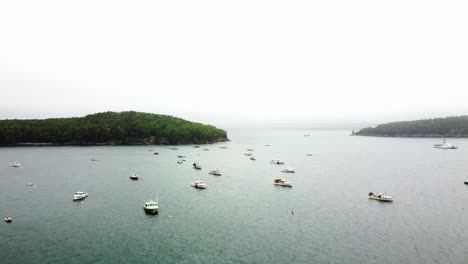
point(455, 126)
point(108, 128)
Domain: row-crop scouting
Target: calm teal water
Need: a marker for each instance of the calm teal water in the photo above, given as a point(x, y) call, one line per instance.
point(241, 217)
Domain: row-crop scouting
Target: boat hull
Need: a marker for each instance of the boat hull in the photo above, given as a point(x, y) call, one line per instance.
point(282, 184)
point(380, 199)
point(151, 210)
point(78, 198)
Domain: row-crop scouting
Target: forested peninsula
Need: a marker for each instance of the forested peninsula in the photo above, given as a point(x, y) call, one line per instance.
point(108, 128)
point(455, 126)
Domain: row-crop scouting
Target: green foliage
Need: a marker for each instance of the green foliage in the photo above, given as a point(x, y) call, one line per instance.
point(109, 128)
point(456, 126)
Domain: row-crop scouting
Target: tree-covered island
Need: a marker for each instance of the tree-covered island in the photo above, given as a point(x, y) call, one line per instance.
point(108, 128)
point(455, 126)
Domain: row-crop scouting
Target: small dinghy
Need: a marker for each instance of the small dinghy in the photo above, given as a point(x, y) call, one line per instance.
point(282, 182)
point(277, 161)
point(197, 166)
point(133, 177)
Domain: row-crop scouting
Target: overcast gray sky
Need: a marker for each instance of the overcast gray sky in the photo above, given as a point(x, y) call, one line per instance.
point(229, 62)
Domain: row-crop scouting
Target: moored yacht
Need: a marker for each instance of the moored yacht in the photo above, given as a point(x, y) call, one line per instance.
point(79, 196)
point(216, 172)
point(253, 158)
point(445, 145)
point(15, 164)
point(288, 170)
point(199, 184)
point(282, 182)
point(383, 197)
point(151, 207)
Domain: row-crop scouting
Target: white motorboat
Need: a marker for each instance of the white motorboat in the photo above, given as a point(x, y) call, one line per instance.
point(277, 161)
point(79, 196)
point(30, 185)
point(216, 172)
point(199, 184)
point(151, 207)
point(288, 170)
point(383, 197)
point(281, 182)
point(15, 164)
point(197, 166)
point(133, 177)
point(445, 145)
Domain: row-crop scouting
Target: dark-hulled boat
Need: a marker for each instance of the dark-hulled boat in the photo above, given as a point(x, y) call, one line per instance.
point(134, 177)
